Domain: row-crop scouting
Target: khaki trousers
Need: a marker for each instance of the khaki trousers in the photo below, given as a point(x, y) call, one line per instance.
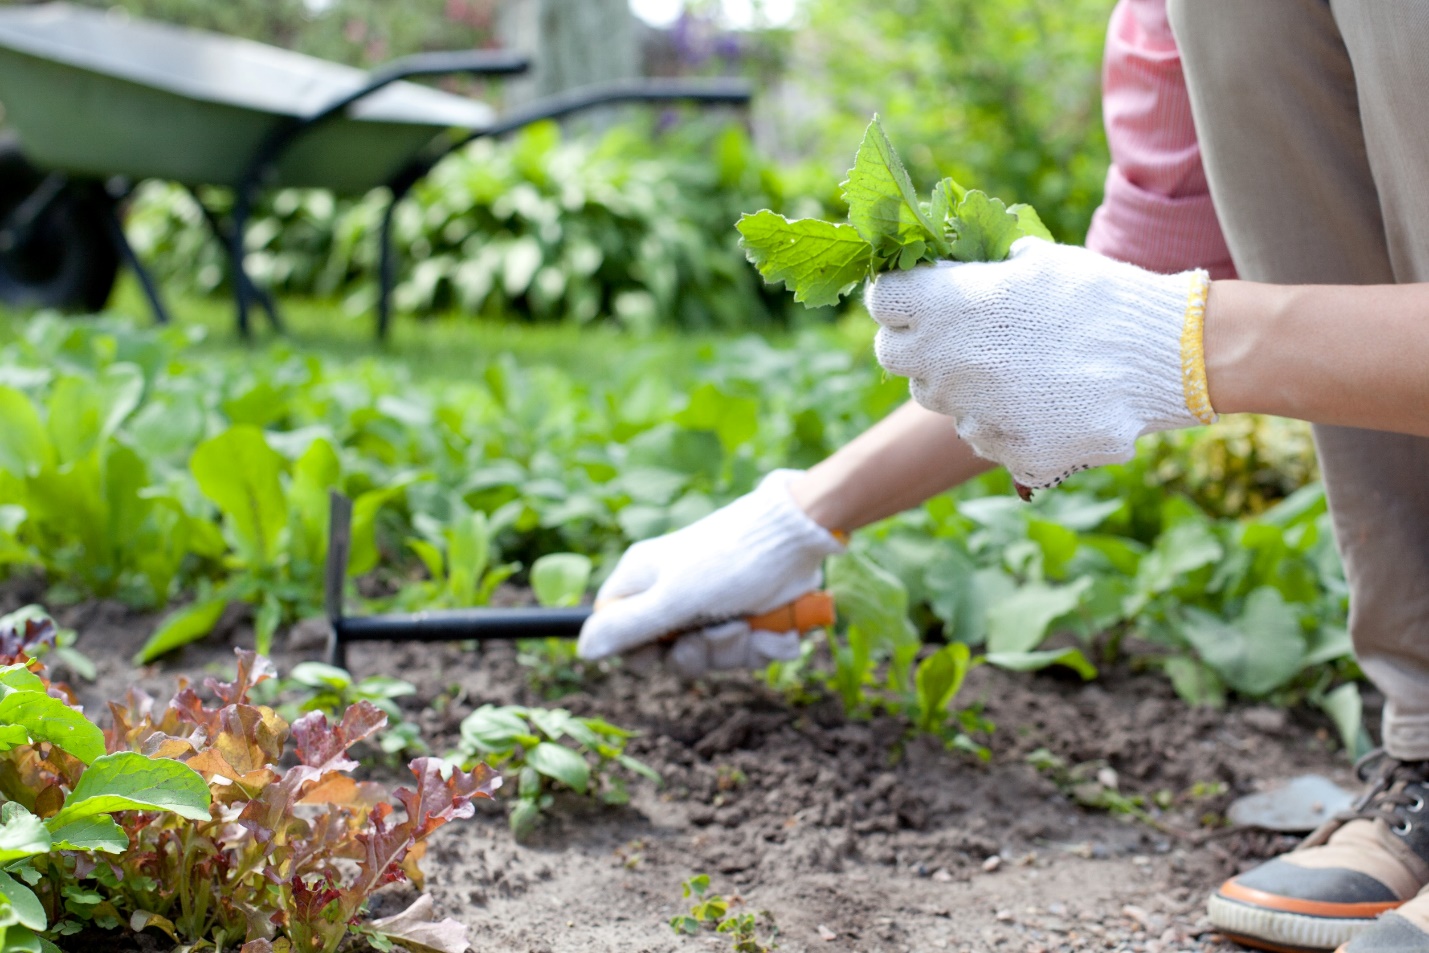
point(1313, 117)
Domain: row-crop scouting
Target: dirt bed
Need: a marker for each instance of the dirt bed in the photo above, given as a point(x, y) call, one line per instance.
point(853, 838)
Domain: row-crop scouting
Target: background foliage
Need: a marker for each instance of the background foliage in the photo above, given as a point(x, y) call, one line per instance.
point(634, 227)
point(358, 32)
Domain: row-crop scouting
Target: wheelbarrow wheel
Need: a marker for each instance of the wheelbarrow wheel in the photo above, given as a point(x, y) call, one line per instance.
point(65, 260)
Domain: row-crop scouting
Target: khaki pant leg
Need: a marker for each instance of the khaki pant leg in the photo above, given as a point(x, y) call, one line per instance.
point(1312, 116)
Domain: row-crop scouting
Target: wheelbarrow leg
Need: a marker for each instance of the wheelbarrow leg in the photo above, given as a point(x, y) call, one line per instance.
point(386, 260)
point(221, 235)
point(120, 241)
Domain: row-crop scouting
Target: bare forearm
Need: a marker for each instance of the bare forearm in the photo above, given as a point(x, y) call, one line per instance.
point(899, 462)
point(1352, 356)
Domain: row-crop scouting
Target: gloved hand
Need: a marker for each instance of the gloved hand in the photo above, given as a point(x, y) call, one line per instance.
point(756, 554)
point(1051, 362)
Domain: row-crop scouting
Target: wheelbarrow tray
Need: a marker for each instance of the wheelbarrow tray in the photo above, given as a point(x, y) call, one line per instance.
point(96, 94)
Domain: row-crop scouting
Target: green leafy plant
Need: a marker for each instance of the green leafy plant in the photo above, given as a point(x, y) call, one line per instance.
point(457, 554)
point(711, 912)
point(889, 227)
point(558, 580)
point(60, 792)
point(877, 665)
point(275, 519)
point(79, 500)
point(550, 748)
point(311, 843)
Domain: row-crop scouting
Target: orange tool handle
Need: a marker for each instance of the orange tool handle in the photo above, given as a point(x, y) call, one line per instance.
point(812, 610)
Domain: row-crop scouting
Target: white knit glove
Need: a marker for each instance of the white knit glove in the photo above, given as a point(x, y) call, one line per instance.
point(749, 557)
point(1051, 362)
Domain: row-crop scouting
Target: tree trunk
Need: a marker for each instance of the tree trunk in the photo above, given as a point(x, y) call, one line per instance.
point(572, 43)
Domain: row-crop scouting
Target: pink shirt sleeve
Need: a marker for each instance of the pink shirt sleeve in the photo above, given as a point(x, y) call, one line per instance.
point(1157, 210)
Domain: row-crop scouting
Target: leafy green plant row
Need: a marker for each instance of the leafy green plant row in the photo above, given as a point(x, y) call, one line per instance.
point(632, 228)
point(203, 477)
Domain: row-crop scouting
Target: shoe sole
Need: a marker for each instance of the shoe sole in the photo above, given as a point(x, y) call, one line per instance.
point(1281, 931)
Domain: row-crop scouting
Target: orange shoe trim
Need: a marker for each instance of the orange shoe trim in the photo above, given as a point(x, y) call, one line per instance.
point(1311, 908)
point(1256, 943)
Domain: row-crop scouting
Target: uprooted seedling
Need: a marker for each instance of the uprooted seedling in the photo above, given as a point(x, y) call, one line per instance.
point(710, 912)
point(889, 228)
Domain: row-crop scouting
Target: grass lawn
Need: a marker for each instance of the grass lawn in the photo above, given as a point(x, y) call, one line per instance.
point(450, 346)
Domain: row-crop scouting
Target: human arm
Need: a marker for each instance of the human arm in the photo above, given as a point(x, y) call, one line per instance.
point(1355, 356)
point(767, 547)
point(1058, 359)
point(909, 456)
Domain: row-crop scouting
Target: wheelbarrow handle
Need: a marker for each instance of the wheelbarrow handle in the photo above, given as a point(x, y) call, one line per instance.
point(452, 62)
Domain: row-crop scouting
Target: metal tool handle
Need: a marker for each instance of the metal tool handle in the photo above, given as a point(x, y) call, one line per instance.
point(810, 611)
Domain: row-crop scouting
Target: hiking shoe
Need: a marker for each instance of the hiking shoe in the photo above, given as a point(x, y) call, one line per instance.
point(1369, 859)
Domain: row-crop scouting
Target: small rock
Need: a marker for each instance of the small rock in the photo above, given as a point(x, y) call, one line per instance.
point(992, 863)
point(1004, 916)
point(826, 934)
point(942, 876)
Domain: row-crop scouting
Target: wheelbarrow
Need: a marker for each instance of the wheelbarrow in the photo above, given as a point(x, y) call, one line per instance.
point(99, 102)
point(813, 610)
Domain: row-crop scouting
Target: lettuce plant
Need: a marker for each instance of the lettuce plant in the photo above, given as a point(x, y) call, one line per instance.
point(291, 855)
point(180, 818)
point(60, 793)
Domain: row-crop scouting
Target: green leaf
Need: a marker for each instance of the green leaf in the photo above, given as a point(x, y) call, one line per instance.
point(19, 677)
point(22, 834)
point(986, 229)
point(18, 939)
point(1262, 650)
point(872, 598)
point(1195, 682)
point(494, 729)
point(24, 905)
point(239, 472)
point(96, 832)
point(25, 450)
point(938, 680)
point(1346, 710)
point(189, 624)
point(819, 261)
point(1029, 222)
point(362, 556)
point(321, 675)
point(128, 781)
point(1185, 547)
point(1070, 658)
point(639, 767)
point(524, 814)
point(46, 718)
point(468, 554)
point(1019, 623)
point(561, 763)
point(735, 420)
point(560, 579)
point(882, 204)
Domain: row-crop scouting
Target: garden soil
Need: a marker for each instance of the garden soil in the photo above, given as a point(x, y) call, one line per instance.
point(853, 837)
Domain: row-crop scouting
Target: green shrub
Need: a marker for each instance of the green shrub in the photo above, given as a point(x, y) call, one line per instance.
point(635, 228)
